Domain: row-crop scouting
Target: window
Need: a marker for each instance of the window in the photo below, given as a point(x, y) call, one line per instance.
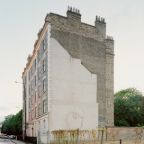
point(44, 44)
point(35, 81)
point(44, 85)
point(43, 64)
point(29, 75)
point(25, 80)
point(38, 55)
point(39, 124)
point(39, 109)
point(29, 90)
point(29, 103)
point(32, 100)
point(39, 91)
point(44, 124)
point(31, 71)
point(29, 116)
point(32, 115)
point(35, 63)
point(44, 106)
point(32, 85)
point(35, 112)
point(35, 96)
point(38, 73)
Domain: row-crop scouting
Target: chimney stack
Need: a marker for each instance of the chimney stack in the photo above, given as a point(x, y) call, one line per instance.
point(100, 24)
point(74, 14)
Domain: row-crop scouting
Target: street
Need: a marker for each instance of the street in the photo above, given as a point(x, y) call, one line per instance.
point(5, 141)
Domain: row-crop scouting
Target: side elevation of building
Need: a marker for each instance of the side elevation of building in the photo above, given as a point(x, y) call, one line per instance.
point(68, 80)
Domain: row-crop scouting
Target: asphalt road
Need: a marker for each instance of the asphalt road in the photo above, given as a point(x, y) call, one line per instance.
point(5, 141)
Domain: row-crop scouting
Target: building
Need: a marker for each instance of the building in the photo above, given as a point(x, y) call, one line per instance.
point(68, 80)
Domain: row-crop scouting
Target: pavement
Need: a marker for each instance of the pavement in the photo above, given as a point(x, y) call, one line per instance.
point(19, 142)
point(5, 141)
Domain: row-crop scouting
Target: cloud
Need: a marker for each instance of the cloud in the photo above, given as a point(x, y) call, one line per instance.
point(4, 111)
point(3, 108)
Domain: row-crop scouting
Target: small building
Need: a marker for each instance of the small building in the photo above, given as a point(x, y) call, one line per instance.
point(68, 80)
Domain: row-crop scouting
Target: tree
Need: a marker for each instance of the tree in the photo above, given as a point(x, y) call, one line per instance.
point(12, 124)
point(6, 126)
point(18, 122)
point(129, 108)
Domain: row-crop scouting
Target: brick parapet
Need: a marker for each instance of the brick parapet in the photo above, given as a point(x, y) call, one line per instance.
point(65, 24)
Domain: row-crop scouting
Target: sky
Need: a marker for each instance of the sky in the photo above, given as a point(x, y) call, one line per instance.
point(20, 21)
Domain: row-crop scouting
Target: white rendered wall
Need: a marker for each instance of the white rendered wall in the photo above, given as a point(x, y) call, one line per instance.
point(42, 129)
point(72, 91)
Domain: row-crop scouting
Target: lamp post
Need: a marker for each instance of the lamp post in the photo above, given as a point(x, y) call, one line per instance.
point(24, 109)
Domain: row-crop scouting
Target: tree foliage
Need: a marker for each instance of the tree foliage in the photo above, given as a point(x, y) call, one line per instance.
point(12, 124)
point(129, 108)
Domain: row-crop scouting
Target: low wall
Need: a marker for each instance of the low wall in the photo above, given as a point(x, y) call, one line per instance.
point(108, 135)
point(132, 135)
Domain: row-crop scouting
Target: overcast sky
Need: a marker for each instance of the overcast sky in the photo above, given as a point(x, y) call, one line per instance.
point(20, 21)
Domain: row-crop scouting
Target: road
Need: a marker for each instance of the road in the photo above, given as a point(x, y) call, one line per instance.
point(5, 141)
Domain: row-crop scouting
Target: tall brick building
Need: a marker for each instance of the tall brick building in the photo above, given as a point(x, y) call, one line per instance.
point(68, 79)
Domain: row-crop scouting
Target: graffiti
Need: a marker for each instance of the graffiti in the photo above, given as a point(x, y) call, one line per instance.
point(74, 120)
point(111, 135)
point(138, 135)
